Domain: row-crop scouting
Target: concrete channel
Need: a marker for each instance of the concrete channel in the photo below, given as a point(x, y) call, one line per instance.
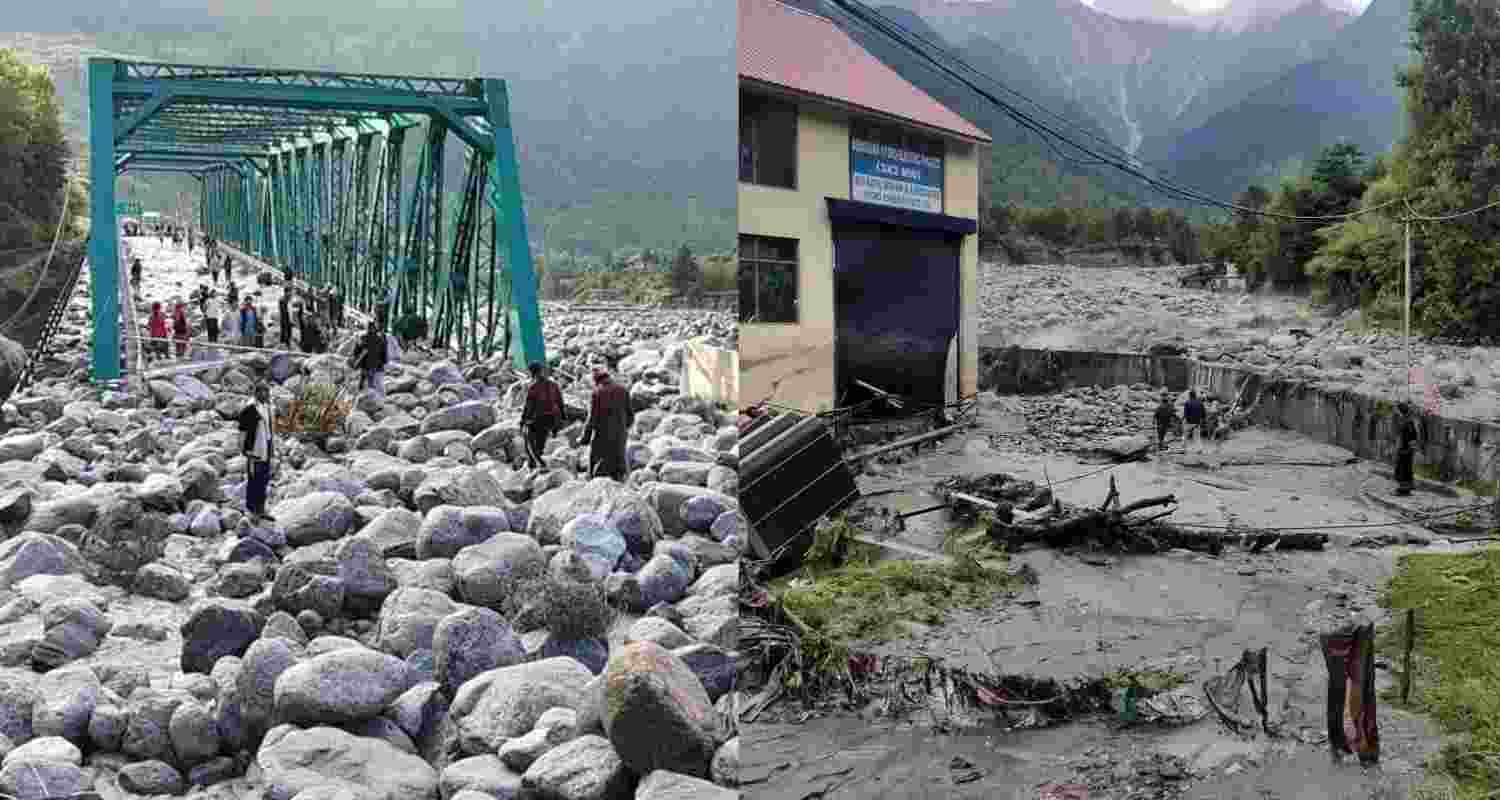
point(1364, 425)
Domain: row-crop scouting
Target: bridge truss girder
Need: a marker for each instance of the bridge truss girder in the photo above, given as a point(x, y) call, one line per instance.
point(304, 170)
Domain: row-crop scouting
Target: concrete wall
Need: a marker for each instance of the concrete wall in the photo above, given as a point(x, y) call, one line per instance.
point(793, 364)
point(712, 374)
point(1360, 423)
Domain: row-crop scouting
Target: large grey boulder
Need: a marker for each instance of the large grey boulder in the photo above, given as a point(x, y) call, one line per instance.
point(292, 761)
point(316, 517)
point(343, 686)
point(449, 529)
point(587, 768)
point(507, 702)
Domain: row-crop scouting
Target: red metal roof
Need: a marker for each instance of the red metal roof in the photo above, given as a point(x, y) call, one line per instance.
point(807, 53)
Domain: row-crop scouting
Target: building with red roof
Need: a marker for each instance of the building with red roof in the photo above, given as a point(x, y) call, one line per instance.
point(858, 206)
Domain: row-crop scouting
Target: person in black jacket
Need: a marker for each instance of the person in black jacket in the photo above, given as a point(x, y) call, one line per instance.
point(1165, 417)
point(258, 444)
point(1406, 440)
point(371, 358)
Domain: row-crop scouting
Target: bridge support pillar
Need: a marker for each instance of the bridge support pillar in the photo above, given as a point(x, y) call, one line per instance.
point(104, 254)
point(510, 228)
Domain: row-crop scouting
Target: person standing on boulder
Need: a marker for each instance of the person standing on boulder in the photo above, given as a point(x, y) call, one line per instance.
point(258, 444)
point(607, 431)
point(1407, 435)
point(542, 414)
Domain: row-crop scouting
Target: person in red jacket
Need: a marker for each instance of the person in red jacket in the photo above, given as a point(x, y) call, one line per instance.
point(542, 415)
point(608, 428)
point(181, 330)
point(156, 328)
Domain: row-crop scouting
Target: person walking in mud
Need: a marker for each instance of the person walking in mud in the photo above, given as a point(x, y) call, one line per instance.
point(542, 414)
point(1406, 453)
point(1165, 418)
point(1193, 414)
point(258, 445)
point(607, 429)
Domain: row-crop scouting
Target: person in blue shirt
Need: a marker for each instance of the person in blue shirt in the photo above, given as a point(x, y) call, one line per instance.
point(249, 323)
point(1192, 417)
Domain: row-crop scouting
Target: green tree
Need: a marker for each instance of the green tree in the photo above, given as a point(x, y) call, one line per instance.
point(1452, 155)
point(33, 153)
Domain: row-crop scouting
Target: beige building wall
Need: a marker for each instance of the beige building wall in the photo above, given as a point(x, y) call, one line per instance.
point(793, 364)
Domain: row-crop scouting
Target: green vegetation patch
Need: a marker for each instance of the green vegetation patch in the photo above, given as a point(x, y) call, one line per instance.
point(847, 594)
point(1152, 680)
point(1457, 675)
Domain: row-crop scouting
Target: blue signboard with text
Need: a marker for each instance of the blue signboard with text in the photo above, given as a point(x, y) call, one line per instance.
point(892, 176)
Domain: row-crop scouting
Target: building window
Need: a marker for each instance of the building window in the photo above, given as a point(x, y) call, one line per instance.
point(768, 141)
point(768, 279)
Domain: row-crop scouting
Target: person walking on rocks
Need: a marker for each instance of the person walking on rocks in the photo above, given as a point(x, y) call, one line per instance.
point(1407, 435)
point(542, 414)
point(260, 327)
point(231, 323)
point(135, 274)
point(211, 318)
point(1193, 414)
point(1165, 417)
point(284, 319)
point(370, 357)
point(248, 323)
point(607, 430)
point(232, 293)
point(156, 328)
point(258, 444)
point(181, 330)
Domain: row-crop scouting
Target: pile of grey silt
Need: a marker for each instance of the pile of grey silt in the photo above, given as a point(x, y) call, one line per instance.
point(424, 617)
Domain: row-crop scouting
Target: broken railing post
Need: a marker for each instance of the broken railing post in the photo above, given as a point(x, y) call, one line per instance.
point(1349, 654)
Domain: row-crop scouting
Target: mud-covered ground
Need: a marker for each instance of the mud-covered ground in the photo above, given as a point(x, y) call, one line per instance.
point(1189, 613)
point(1135, 308)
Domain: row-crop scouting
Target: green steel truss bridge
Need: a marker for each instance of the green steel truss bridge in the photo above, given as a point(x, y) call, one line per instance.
point(304, 170)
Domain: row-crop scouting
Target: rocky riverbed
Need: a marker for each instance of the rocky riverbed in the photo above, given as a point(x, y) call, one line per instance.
point(1135, 309)
point(424, 617)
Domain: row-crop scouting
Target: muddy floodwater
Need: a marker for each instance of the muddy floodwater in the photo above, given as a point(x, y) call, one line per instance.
point(1186, 612)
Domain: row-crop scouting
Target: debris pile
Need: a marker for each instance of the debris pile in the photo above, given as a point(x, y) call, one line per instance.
point(1018, 513)
point(425, 616)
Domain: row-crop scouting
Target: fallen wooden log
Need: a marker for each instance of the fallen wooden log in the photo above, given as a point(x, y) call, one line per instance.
point(907, 442)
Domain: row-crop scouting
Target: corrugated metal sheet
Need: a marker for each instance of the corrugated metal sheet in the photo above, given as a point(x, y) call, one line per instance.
point(807, 53)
